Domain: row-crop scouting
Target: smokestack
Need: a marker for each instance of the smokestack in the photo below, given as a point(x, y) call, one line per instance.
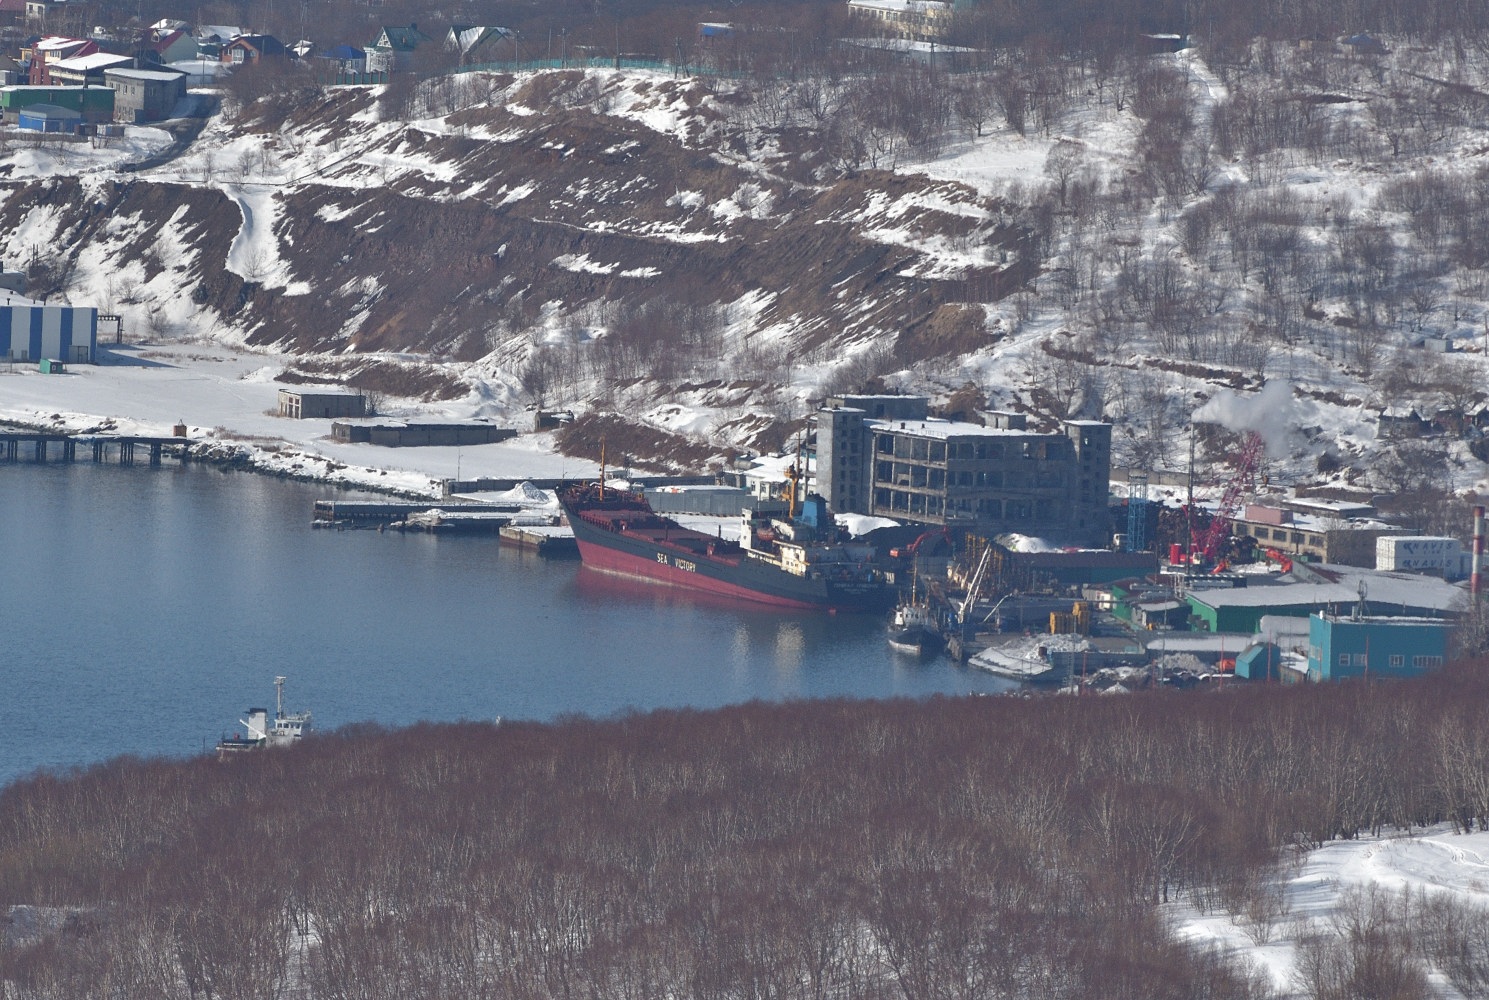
point(1476, 573)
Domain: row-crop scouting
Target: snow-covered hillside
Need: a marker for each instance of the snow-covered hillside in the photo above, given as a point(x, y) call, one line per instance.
point(1167, 237)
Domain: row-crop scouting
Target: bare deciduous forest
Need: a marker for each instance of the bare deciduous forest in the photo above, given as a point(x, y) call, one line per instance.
point(955, 848)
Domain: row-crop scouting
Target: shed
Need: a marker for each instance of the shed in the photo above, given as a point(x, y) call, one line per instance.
point(49, 118)
point(50, 366)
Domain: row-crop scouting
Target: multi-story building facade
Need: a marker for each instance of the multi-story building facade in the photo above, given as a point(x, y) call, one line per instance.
point(884, 455)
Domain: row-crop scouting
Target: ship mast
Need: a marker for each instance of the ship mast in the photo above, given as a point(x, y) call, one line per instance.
point(278, 698)
point(602, 468)
point(794, 476)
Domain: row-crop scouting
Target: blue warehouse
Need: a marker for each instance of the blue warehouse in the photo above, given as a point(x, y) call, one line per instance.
point(31, 331)
point(1341, 647)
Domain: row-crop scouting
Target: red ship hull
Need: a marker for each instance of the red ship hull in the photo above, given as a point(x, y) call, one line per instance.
point(620, 534)
point(608, 560)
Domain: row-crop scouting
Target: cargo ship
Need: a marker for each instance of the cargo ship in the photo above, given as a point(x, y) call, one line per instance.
point(801, 561)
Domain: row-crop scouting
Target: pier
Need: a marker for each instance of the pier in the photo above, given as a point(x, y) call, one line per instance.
point(372, 513)
point(125, 449)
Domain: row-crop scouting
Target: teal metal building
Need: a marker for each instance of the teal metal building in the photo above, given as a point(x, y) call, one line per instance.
point(1341, 647)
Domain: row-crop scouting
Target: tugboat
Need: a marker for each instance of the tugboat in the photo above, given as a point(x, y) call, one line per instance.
point(793, 558)
point(914, 630)
point(287, 728)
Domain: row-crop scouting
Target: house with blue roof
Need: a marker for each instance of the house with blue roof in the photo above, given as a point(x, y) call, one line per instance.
point(343, 60)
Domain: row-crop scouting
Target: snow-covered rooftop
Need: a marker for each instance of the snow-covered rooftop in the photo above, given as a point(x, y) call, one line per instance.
point(124, 73)
point(88, 63)
point(949, 429)
point(1403, 589)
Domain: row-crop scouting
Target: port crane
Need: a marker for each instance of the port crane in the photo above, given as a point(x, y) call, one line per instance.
point(1206, 543)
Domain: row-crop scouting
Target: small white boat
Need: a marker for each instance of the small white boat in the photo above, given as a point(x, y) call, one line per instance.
point(286, 729)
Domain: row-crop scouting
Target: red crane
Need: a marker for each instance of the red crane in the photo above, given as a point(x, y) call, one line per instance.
point(1245, 462)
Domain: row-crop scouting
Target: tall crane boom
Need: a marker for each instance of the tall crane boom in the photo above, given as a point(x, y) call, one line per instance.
point(1248, 457)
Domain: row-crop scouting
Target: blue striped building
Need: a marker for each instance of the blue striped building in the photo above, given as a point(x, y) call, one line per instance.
point(30, 331)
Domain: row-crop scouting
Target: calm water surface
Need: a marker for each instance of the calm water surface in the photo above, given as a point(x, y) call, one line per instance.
point(148, 608)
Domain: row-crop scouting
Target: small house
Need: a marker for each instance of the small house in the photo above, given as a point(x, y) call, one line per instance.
point(1402, 422)
point(477, 43)
point(343, 60)
point(393, 49)
point(252, 48)
point(11, 72)
point(1364, 44)
point(165, 46)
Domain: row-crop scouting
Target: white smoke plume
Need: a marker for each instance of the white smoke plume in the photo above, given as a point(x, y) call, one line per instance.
point(1273, 413)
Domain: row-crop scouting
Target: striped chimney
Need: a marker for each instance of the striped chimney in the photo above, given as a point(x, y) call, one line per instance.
point(1476, 575)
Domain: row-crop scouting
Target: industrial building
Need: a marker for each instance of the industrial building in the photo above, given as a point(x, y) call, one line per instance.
point(884, 456)
point(31, 331)
point(1328, 589)
point(1329, 538)
point(301, 403)
point(93, 104)
point(1341, 647)
point(418, 435)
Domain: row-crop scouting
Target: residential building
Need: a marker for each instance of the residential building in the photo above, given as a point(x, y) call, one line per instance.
point(882, 455)
point(393, 49)
point(477, 44)
point(60, 16)
point(85, 71)
point(342, 60)
point(1357, 646)
point(160, 45)
point(145, 95)
point(39, 55)
point(251, 48)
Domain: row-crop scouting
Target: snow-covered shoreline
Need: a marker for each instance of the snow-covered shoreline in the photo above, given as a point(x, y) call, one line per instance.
point(227, 399)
